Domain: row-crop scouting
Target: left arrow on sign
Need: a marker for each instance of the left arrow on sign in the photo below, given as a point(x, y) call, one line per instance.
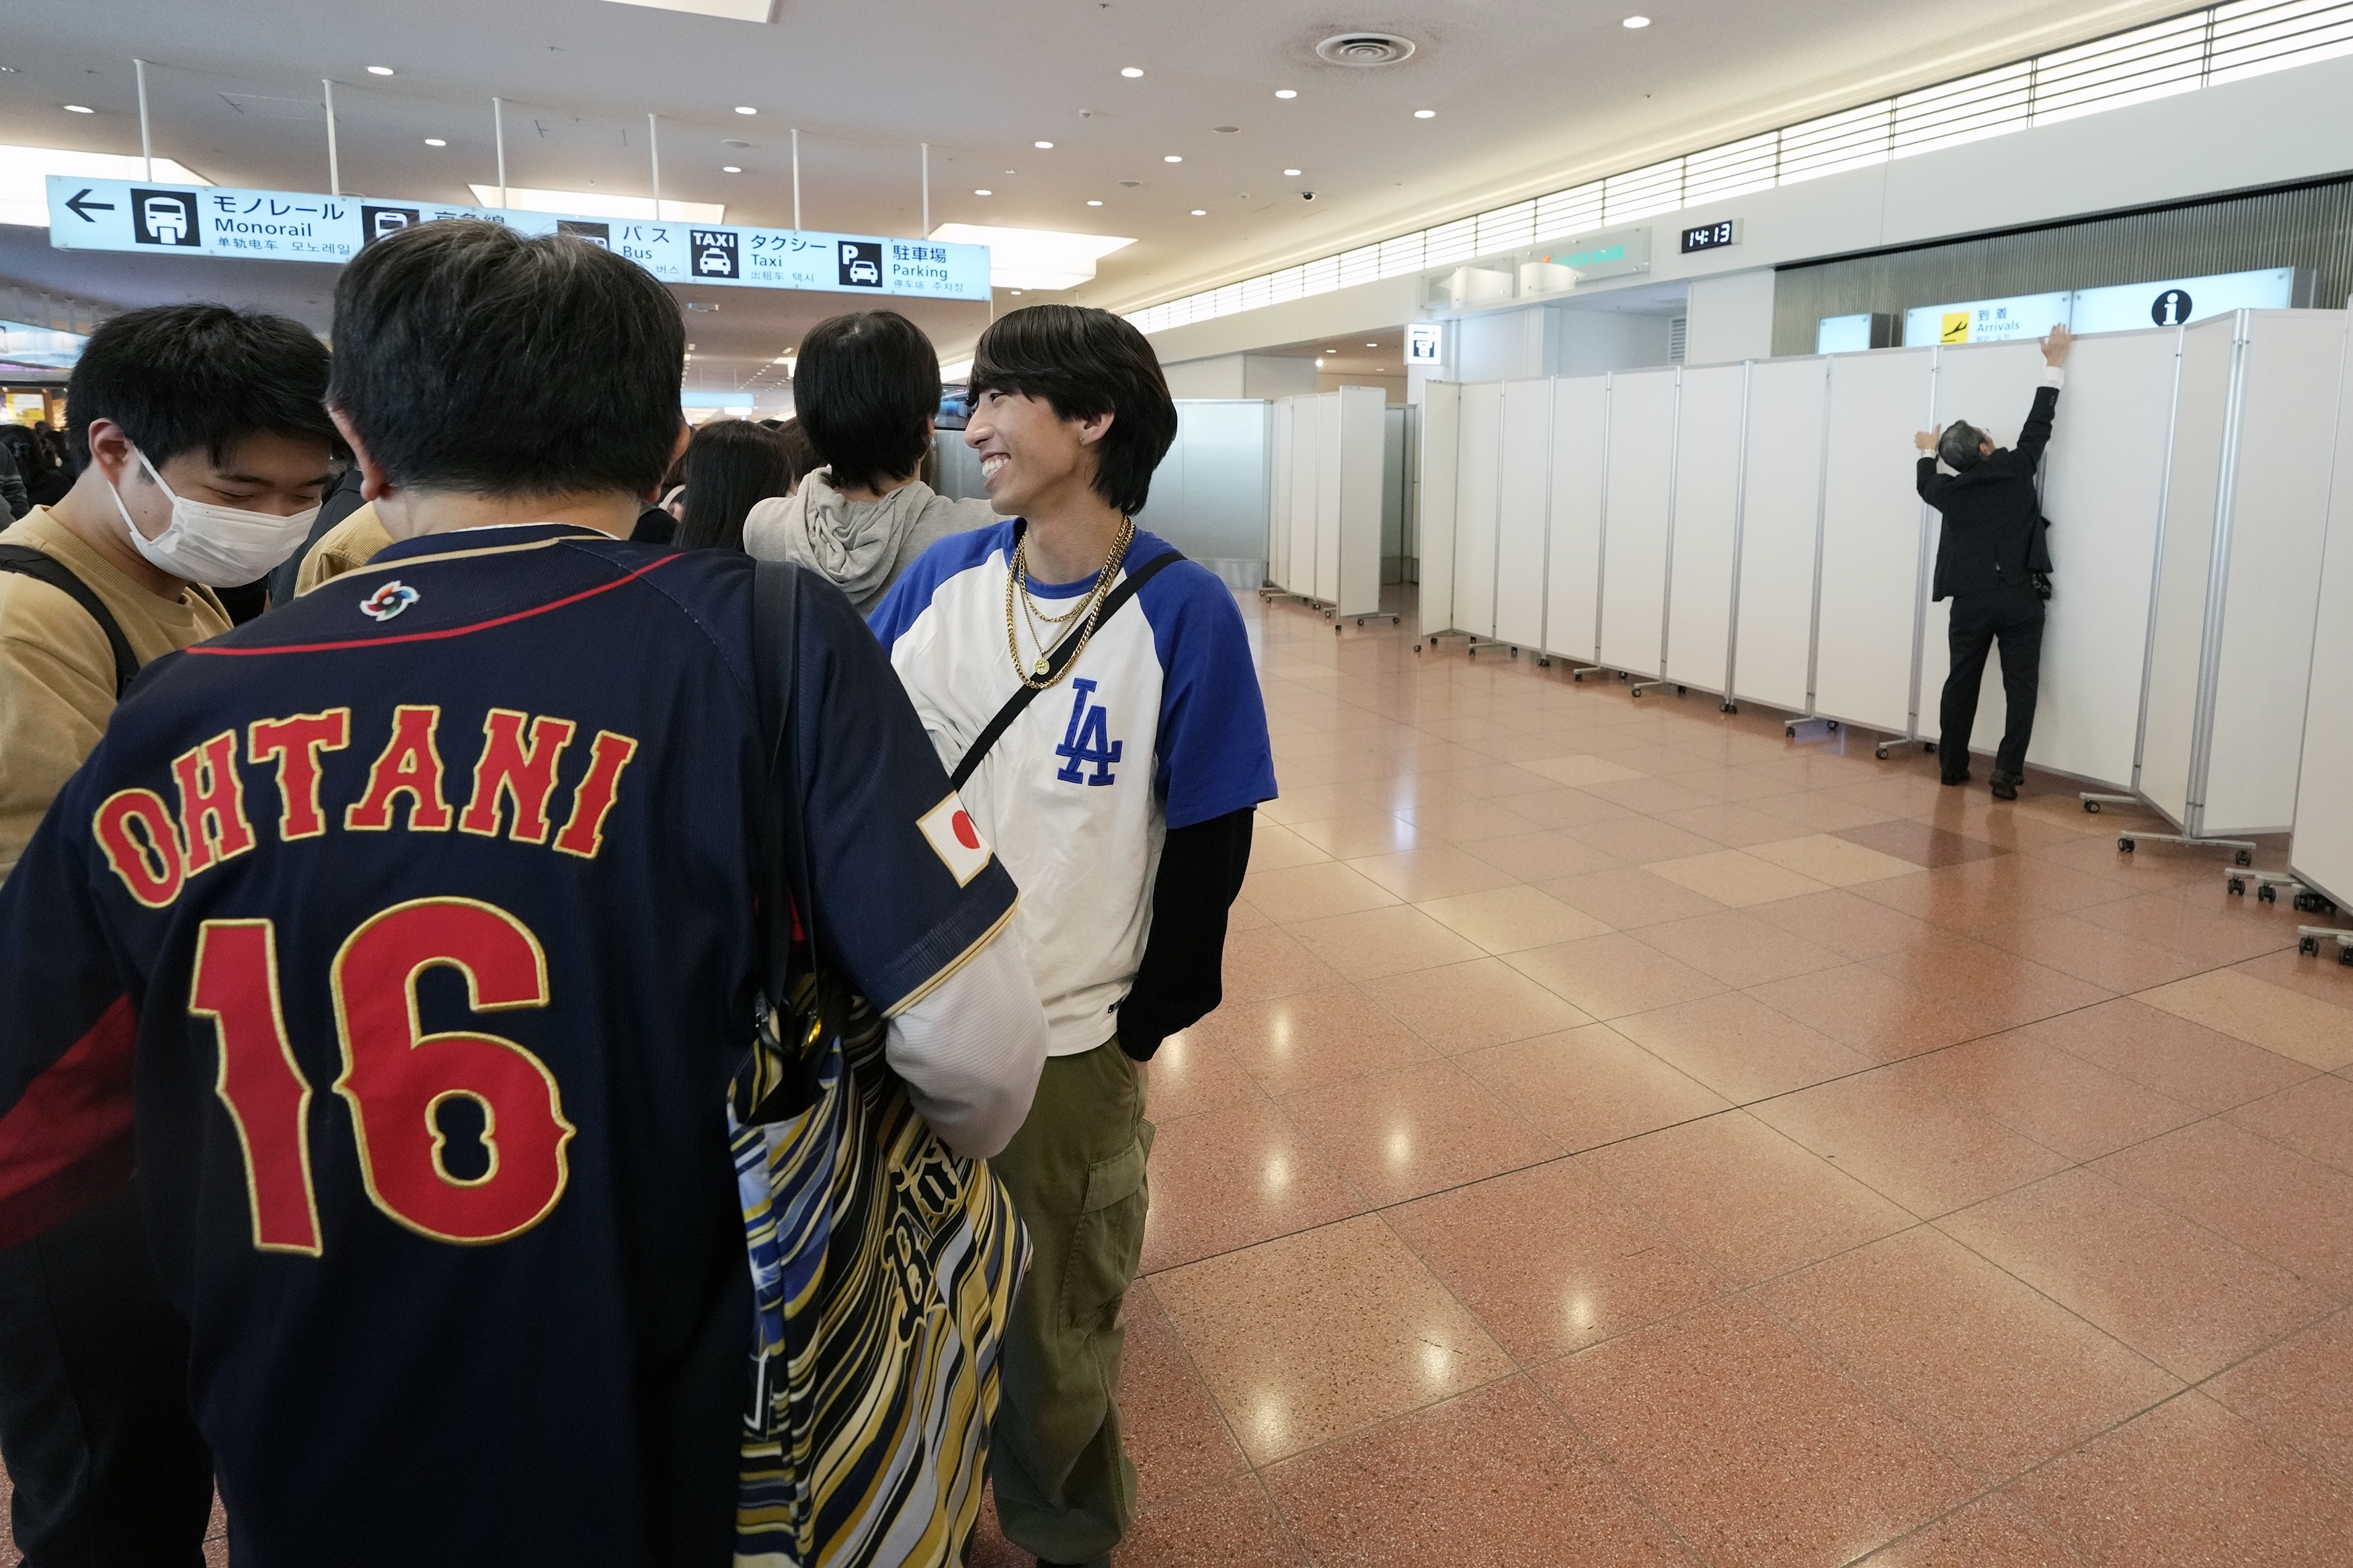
point(81, 207)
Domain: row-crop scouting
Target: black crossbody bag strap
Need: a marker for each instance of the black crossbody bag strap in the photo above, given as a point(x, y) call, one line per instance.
point(43, 567)
point(1025, 694)
point(783, 880)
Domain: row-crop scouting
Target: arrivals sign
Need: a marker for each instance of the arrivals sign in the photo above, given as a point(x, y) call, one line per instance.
point(291, 225)
point(2164, 303)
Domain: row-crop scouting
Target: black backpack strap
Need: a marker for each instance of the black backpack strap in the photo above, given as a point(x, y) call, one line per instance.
point(43, 567)
point(1025, 694)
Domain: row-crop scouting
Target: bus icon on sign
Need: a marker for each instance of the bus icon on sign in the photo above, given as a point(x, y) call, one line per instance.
point(164, 217)
point(860, 264)
point(714, 252)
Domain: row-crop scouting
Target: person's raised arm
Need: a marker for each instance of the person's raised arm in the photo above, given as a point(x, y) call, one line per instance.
point(2036, 433)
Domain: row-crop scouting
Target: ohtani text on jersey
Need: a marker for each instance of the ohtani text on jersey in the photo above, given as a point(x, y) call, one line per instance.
point(156, 849)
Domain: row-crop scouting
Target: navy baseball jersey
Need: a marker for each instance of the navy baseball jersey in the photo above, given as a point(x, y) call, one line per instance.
point(416, 921)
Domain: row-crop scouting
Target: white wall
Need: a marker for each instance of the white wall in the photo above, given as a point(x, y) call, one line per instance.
point(2288, 125)
point(1220, 377)
point(1277, 376)
point(1240, 375)
point(1390, 387)
point(1729, 318)
point(1505, 345)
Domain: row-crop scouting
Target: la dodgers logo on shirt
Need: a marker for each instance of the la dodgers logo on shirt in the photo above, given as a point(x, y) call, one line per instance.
point(1088, 739)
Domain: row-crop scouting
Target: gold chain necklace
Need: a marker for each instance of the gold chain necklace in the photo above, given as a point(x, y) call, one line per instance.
point(1041, 674)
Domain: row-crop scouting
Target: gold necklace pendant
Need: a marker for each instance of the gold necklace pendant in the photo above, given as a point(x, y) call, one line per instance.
point(1041, 666)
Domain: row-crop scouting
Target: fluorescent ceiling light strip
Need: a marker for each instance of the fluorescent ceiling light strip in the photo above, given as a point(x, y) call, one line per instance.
point(2178, 54)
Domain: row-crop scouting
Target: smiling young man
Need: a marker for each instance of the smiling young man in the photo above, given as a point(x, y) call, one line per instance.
point(412, 926)
point(1120, 798)
point(204, 446)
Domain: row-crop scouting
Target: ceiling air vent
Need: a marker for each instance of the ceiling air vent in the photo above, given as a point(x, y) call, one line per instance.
point(1363, 49)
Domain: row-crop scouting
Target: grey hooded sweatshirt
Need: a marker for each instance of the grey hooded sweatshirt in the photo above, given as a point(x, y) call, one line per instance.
point(860, 545)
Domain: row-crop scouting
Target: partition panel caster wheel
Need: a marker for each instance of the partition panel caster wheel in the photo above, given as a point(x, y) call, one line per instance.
point(2312, 903)
point(2092, 807)
point(1727, 707)
point(1470, 653)
point(2242, 859)
point(1930, 747)
point(2267, 894)
point(2310, 947)
point(1679, 692)
point(2125, 845)
point(1882, 753)
point(1335, 630)
point(1544, 664)
point(1831, 724)
point(2236, 886)
point(2345, 956)
point(1417, 647)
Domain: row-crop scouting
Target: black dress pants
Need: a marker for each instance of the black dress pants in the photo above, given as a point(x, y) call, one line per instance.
point(108, 1468)
point(2014, 618)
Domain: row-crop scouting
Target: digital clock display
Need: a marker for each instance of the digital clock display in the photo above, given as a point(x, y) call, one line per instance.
point(1711, 235)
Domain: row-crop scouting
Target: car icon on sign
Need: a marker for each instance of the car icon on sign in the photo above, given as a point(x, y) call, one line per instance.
point(167, 220)
point(716, 260)
point(864, 272)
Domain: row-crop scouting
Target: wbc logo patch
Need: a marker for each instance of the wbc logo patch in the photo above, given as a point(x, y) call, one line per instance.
point(388, 600)
point(949, 829)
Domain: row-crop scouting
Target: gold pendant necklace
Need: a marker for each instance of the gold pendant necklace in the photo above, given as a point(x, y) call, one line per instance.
point(1041, 673)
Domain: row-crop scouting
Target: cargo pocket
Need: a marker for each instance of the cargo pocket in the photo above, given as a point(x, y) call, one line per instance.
point(1108, 1242)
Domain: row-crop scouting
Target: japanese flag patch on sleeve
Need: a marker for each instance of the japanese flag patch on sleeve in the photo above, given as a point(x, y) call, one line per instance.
point(954, 838)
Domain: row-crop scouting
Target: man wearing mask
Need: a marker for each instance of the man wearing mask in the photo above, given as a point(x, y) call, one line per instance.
point(202, 446)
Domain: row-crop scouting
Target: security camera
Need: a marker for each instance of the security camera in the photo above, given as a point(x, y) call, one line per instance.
point(1307, 195)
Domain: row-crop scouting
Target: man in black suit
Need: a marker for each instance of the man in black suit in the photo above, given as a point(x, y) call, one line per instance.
point(1994, 565)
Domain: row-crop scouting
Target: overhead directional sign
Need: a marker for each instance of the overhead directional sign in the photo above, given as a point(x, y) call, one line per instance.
point(291, 225)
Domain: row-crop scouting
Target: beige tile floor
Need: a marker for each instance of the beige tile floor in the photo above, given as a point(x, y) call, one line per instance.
point(1632, 1137)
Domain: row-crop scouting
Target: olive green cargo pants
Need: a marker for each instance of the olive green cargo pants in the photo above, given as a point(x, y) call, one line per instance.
point(1064, 1490)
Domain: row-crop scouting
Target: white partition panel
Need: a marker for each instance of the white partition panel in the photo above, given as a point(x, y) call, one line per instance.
point(2225, 724)
point(1707, 533)
point(2279, 507)
point(1279, 423)
point(1637, 519)
point(1580, 424)
point(1210, 494)
point(1780, 531)
point(1440, 405)
point(2103, 490)
point(1314, 424)
point(1523, 464)
point(1476, 476)
point(2321, 854)
point(1993, 386)
point(1352, 570)
point(1872, 539)
point(2193, 486)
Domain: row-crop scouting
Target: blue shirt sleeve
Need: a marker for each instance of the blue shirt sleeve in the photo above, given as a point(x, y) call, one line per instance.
point(1212, 754)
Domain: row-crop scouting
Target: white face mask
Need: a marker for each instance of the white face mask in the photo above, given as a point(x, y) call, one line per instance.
point(219, 546)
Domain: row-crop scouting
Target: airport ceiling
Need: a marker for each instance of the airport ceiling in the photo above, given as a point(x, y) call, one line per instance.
point(1527, 96)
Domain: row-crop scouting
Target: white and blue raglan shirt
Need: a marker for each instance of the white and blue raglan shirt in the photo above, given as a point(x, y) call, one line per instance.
point(1155, 736)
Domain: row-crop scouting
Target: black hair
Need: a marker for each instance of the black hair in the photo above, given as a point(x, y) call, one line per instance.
point(865, 387)
point(799, 454)
point(181, 378)
point(731, 465)
point(1960, 445)
point(469, 357)
point(1082, 363)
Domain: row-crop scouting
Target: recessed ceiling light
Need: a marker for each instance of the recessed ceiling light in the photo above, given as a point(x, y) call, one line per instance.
point(1293, 173)
point(435, 141)
point(1131, 71)
point(1638, 22)
point(731, 169)
point(1285, 93)
point(1425, 114)
point(1372, 345)
point(983, 192)
point(379, 70)
point(80, 109)
point(1169, 158)
point(745, 109)
point(1092, 204)
point(1200, 212)
point(1319, 365)
point(1043, 146)
point(1226, 130)
point(1129, 184)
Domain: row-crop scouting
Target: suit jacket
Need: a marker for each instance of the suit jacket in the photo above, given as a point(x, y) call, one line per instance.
point(1994, 528)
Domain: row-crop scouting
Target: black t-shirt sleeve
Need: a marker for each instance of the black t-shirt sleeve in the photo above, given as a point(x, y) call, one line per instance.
point(902, 884)
point(1181, 979)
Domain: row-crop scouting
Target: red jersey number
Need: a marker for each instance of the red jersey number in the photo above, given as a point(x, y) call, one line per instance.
point(395, 1076)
